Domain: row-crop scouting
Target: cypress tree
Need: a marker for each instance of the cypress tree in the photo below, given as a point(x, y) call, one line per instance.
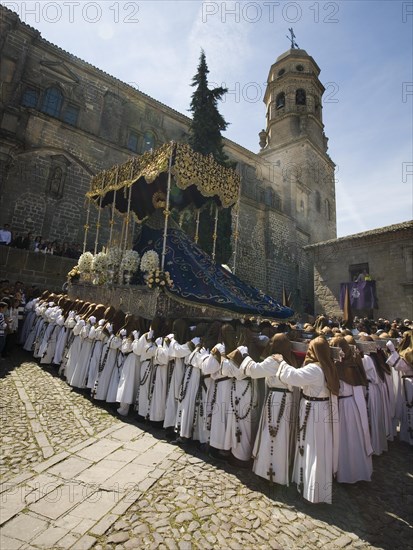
point(205, 137)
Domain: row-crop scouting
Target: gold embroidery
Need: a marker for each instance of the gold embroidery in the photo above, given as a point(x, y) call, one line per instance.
point(188, 168)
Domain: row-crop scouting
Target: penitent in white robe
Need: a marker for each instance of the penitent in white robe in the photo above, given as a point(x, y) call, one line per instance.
point(63, 336)
point(79, 376)
point(177, 355)
point(54, 338)
point(200, 432)
point(375, 408)
point(188, 392)
point(242, 421)
point(29, 321)
point(129, 378)
point(36, 326)
point(316, 456)
point(406, 416)
point(146, 350)
point(159, 383)
point(42, 330)
point(355, 450)
point(74, 350)
point(218, 403)
point(272, 444)
point(99, 343)
point(109, 362)
point(49, 338)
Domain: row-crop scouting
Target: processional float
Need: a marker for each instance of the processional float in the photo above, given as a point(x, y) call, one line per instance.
point(145, 190)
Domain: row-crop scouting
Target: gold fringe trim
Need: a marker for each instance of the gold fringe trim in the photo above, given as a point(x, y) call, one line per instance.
point(189, 168)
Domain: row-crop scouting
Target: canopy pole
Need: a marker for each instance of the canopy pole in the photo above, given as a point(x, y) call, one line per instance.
point(127, 218)
point(122, 234)
point(98, 225)
point(112, 219)
point(236, 232)
point(215, 234)
point(196, 239)
point(166, 212)
point(86, 226)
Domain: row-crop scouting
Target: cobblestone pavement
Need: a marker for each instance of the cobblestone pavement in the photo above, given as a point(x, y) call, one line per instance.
point(75, 476)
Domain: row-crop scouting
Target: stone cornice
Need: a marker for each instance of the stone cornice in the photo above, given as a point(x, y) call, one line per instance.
point(390, 231)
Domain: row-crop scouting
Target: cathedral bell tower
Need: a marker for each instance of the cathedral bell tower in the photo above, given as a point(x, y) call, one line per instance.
point(293, 101)
point(294, 143)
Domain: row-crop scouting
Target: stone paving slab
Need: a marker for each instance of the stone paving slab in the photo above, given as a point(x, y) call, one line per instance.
point(101, 471)
point(9, 543)
point(70, 467)
point(100, 449)
point(25, 527)
point(59, 501)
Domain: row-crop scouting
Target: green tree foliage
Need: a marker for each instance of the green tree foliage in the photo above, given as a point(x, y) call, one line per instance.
point(205, 137)
point(207, 123)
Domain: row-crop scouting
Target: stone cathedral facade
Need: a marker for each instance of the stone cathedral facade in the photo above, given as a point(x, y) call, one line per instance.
point(63, 120)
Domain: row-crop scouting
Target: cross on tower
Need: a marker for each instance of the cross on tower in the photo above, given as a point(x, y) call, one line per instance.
point(294, 44)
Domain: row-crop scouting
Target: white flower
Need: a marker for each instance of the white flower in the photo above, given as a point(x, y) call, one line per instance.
point(85, 262)
point(100, 262)
point(158, 278)
point(115, 256)
point(130, 261)
point(149, 261)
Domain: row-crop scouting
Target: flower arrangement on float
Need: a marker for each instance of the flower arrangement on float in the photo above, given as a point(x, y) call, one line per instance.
point(115, 274)
point(111, 266)
point(129, 264)
point(159, 278)
point(100, 267)
point(149, 261)
point(114, 254)
point(85, 262)
point(83, 268)
point(154, 277)
point(130, 261)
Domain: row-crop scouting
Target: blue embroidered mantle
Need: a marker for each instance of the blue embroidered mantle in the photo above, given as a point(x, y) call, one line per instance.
point(197, 279)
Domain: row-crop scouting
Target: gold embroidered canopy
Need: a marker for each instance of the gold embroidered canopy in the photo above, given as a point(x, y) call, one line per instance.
point(197, 178)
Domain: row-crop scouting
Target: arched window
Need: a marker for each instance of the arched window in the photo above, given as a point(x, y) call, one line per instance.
point(300, 97)
point(148, 141)
point(52, 102)
point(280, 100)
point(318, 201)
point(30, 97)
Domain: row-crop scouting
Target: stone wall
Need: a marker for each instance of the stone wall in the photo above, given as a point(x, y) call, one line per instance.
point(389, 255)
point(34, 268)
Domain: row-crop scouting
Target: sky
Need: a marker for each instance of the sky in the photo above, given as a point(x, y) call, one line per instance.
point(363, 48)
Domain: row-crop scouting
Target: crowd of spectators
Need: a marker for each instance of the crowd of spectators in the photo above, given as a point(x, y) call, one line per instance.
point(29, 241)
point(13, 298)
point(380, 328)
